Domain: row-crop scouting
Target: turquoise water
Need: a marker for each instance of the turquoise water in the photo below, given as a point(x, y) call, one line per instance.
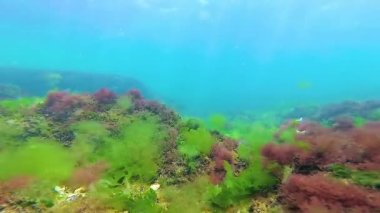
point(205, 56)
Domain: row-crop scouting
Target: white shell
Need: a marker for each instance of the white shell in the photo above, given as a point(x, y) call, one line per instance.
point(155, 186)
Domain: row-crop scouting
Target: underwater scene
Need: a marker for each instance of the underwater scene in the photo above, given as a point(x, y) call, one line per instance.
point(191, 106)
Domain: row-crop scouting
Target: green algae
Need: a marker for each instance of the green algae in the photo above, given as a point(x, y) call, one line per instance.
point(134, 146)
point(137, 149)
point(238, 188)
point(196, 142)
point(359, 121)
point(10, 133)
point(187, 198)
point(124, 102)
point(256, 136)
point(90, 137)
point(14, 106)
point(125, 196)
point(39, 158)
point(364, 178)
point(218, 122)
point(90, 128)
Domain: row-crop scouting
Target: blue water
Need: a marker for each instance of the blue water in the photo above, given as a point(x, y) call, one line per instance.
point(206, 56)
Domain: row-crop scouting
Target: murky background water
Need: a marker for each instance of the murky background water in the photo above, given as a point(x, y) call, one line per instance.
point(200, 56)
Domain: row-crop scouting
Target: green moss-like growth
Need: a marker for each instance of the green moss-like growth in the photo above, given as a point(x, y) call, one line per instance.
point(146, 202)
point(359, 121)
point(196, 142)
point(218, 122)
point(90, 136)
point(364, 178)
point(254, 179)
point(124, 102)
point(17, 105)
point(288, 135)
point(10, 133)
point(137, 149)
point(39, 158)
point(92, 129)
point(188, 198)
point(238, 189)
point(125, 196)
point(256, 136)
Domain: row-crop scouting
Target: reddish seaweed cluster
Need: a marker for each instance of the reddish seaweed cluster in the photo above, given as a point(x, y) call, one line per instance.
point(312, 154)
point(64, 108)
point(9, 186)
point(310, 188)
point(61, 105)
point(104, 97)
point(325, 146)
point(167, 115)
point(222, 152)
point(319, 193)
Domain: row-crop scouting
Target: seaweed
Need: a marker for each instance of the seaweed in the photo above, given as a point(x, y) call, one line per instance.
point(10, 133)
point(104, 97)
point(124, 102)
point(309, 193)
point(187, 198)
point(60, 106)
point(254, 179)
point(102, 152)
point(39, 158)
point(237, 189)
point(369, 179)
point(326, 146)
point(223, 152)
point(18, 105)
point(125, 196)
point(137, 149)
point(196, 142)
point(218, 122)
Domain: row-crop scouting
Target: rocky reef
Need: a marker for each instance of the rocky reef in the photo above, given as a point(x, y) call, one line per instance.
point(38, 82)
point(115, 152)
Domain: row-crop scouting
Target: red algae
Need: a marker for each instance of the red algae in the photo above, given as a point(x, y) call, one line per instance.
point(88, 175)
point(222, 152)
point(328, 146)
point(283, 154)
point(307, 193)
point(9, 186)
point(104, 97)
point(61, 105)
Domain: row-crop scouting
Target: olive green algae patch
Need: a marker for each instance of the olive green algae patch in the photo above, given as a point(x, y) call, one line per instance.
point(365, 178)
point(39, 158)
point(218, 122)
point(196, 142)
point(124, 103)
point(188, 198)
point(254, 179)
point(137, 149)
point(14, 106)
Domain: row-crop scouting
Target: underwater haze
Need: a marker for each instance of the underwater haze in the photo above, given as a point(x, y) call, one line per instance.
point(205, 56)
point(191, 106)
